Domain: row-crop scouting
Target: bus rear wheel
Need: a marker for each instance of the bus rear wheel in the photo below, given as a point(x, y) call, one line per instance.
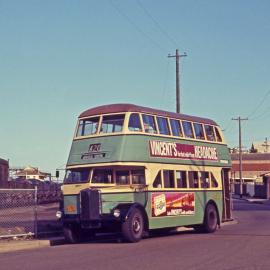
point(133, 226)
point(210, 219)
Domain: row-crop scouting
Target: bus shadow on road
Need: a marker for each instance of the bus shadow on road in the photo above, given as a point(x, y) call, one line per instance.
point(116, 238)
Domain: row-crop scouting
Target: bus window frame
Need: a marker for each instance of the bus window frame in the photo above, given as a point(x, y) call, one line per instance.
point(167, 122)
point(155, 131)
point(202, 129)
point(180, 125)
point(127, 130)
point(186, 180)
point(206, 136)
point(192, 130)
point(216, 129)
point(111, 115)
point(85, 119)
point(163, 182)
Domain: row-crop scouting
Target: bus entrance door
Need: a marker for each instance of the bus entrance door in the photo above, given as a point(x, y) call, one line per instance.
point(227, 209)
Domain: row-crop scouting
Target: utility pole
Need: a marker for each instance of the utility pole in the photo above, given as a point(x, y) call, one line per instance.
point(266, 145)
point(239, 119)
point(177, 58)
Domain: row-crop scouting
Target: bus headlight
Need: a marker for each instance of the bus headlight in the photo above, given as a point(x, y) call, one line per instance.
point(116, 213)
point(59, 214)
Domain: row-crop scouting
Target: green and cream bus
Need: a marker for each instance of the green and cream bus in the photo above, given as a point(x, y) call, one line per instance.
point(137, 169)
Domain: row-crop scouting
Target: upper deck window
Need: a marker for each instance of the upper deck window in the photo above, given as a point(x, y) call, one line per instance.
point(198, 128)
point(88, 126)
point(187, 126)
point(149, 123)
point(134, 122)
point(176, 128)
point(163, 126)
point(218, 136)
point(112, 123)
point(209, 131)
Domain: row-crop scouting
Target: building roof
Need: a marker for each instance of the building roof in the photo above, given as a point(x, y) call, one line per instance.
point(31, 171)
point(252, 156)
point(115, 108)
point(3, 161)
point(252, 167)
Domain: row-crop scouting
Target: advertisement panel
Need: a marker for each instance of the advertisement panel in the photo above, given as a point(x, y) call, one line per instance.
point(172, 204)
point(182, 151)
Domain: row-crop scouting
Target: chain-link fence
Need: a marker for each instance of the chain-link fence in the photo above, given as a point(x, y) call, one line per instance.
point(28, 212)
point(18, 212)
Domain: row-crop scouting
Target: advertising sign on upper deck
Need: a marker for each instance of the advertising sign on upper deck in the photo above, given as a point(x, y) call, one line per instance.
point(182, 151)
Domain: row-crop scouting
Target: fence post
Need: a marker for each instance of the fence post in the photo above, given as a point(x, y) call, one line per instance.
point(35, 212)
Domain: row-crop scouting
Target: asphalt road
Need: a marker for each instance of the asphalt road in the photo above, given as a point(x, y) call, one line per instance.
point(245, 245)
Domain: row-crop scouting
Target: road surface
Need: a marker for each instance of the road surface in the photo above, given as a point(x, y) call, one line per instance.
point(245, 245)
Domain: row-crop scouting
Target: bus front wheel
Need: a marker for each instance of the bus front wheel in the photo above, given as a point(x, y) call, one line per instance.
point(133, 226)
point(72, 234)
point(210, 219)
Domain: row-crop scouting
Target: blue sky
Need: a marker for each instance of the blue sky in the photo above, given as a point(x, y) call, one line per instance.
point(58, 58)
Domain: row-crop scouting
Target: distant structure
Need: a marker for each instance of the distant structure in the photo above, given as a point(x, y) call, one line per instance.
point(255, 162)
point(4, 166)
point(29, 172)
point(260, 147)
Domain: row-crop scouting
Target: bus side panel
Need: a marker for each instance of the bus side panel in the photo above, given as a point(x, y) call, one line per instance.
point(173, 209)
point(111, 200)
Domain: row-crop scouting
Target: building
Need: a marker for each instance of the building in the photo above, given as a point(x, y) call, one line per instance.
point(254, 166)
point(32, 173)
point(4, 166)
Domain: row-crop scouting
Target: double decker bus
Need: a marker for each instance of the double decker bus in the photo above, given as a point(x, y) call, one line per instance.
point(137, 169)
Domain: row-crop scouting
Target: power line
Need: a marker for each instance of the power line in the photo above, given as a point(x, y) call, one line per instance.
point(262, 115)
point(260, 104)
point(165, 33)
point(165, 81)
point(135, 25)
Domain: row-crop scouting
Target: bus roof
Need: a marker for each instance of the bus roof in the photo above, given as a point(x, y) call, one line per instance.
point(118, 108)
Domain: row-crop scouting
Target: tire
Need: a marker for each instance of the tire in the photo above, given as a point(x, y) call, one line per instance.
point(210, 219)
point(72, 234)
point(133, 226)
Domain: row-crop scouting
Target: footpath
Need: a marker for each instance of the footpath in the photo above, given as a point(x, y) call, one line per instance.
point(251, 199)
point(19, 243)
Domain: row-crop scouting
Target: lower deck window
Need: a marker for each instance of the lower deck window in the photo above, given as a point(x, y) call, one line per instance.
point(168, 179)
point(214, 182)
point(122, 177)
point(138, 177)
point(181, 179)
point(76, 176)
point(193, 179)
point(157, 181)
point(205, 180)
